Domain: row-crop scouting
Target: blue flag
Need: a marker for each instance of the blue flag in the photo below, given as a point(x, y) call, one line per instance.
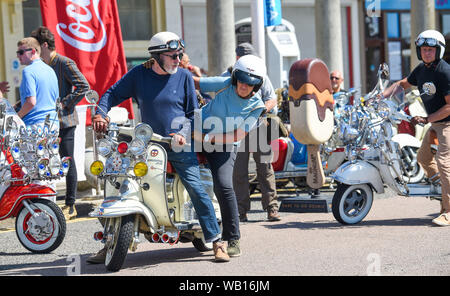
point(272, 12)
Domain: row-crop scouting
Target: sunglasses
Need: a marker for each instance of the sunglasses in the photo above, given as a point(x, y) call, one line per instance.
point(170, 45)
point(428, 42)
point(22, 51)
point(334, 78)
point(174, 56)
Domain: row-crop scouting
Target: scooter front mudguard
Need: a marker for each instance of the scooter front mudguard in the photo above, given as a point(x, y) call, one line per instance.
point(359, 172)
point(115, 206)
point(10, 203)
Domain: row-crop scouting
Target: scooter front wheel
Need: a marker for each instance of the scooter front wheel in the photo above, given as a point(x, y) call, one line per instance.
point(119, 233)
point(42, 231)
point(352, 203)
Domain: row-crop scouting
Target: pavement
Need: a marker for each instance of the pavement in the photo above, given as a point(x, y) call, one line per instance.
point(87, 201)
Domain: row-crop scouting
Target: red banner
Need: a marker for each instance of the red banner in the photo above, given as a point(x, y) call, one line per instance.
point(89, 33)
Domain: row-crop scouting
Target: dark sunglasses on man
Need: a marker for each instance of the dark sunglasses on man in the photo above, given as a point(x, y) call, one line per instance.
point(22, 51)
point(174, 56)
point(334, 78)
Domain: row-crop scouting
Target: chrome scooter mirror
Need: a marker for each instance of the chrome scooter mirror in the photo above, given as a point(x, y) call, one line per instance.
point(92, 98)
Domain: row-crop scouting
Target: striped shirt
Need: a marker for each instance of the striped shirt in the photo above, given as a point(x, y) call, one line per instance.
point(72, 88)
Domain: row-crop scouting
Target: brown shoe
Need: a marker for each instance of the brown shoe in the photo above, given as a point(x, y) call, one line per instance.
point(98, 258)
point(220, 252)
point(442, 220)
point(272, 215)
point(70, 212)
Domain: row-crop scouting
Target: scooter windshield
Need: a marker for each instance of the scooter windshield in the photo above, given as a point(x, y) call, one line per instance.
point(398, 95)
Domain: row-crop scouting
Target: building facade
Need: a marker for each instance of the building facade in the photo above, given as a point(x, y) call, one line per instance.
point(367, 39)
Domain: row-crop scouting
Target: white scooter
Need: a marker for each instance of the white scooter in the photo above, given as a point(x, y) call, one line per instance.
point(143, 194)
point(368, 170)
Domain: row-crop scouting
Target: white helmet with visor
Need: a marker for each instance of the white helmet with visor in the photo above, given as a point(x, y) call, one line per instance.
point(165, 41)
point(250, 70)
point(431, 38)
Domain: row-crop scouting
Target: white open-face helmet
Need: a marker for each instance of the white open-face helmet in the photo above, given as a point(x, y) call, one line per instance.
point(250, 70)
point(165, 41)
point(431, 38)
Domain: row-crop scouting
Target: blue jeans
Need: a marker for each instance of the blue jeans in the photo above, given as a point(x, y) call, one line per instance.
point(186, 166)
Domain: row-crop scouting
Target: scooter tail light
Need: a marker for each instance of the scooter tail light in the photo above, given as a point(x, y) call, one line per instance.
point(155, 237)
point(98, 236)
point(165, 238)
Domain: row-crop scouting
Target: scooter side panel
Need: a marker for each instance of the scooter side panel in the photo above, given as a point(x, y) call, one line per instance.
point(155, 197)
point(359, 172)
point(406, 140)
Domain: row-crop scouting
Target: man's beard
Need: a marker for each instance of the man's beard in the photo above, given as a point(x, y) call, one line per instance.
point(170, 69)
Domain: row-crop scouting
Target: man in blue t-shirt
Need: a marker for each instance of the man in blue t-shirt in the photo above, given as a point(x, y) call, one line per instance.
point(167, 100)
point(39, 88)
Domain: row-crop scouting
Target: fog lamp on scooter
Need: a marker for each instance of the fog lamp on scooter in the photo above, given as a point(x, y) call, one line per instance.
point(104, 147)
point(40, 149)
point(53, 147)
point(42, 167)
point(54, 165)
point(96, 168)
point(15, 150)
point(140, 169)
point(65, 165)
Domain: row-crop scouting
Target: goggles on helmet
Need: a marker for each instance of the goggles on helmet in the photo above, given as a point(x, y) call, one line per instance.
point(170, 45)
point(247, 78)
point(432, 42)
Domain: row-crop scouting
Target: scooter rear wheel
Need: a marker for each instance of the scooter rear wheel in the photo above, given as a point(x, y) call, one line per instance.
point(352, 203)
point(43, 233)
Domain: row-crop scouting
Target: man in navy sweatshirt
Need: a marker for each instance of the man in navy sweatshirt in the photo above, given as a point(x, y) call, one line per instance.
point(167, 100)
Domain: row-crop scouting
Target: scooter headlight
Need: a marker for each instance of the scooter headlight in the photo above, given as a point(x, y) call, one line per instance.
point(97, 168)
point(55, 165)
point(137, 147)
point(143, 132)
point(104, 147)
point(53, 147)
point(140, 169)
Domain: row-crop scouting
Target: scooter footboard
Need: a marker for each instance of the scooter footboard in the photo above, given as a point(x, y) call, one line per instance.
point(360, 172)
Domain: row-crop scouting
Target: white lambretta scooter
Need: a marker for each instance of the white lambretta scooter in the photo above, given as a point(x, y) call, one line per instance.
point(143, 194)
point(379, 164)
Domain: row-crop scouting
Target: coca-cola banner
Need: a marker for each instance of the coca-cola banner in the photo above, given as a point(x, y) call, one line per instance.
point(88, 31)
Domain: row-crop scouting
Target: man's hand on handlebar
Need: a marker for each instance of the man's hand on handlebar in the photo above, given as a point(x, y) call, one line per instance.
point(419, 120)
point(100, 124)
point(178, 140)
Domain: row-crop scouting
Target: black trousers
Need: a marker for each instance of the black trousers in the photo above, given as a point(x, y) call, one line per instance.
point(66, 148)
point(221, 165)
